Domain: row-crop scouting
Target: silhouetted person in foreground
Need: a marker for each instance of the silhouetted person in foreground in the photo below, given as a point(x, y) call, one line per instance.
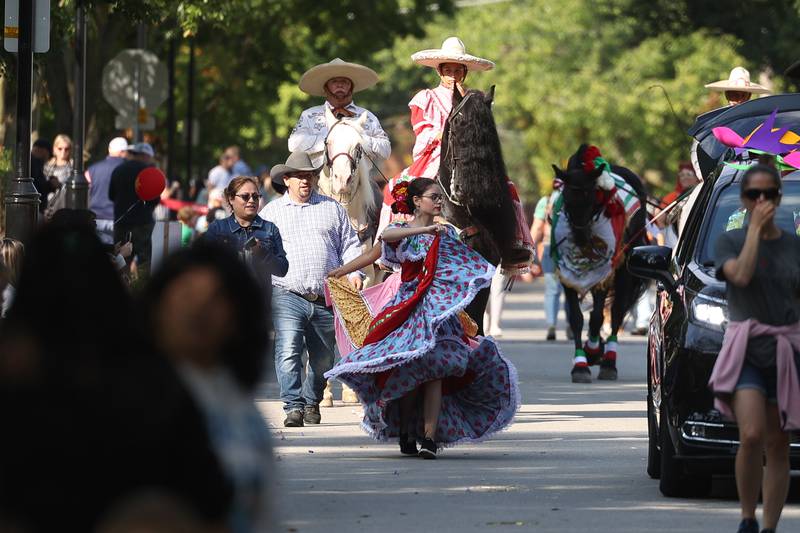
point(204, 311)
point(88, 417)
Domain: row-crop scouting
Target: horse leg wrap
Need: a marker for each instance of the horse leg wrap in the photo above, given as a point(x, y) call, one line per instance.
point(611, 349)
point(580, 358)
point(593, 350)
point(580, 369)
point(608, 366)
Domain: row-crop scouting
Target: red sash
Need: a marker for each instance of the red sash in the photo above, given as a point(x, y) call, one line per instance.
point(394, 316)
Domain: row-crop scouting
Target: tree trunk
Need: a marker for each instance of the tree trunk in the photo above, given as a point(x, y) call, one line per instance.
point(8, 109)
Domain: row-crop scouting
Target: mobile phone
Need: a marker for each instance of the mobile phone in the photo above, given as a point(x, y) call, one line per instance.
point(128, 237)
point(249, 243)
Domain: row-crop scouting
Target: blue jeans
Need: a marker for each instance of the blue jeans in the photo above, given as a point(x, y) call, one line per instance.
point(552, 289)
point(760, 379)
point(552, 299)
point(299, 323)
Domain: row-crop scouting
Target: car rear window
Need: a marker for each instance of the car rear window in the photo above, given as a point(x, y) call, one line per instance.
point(727, 214)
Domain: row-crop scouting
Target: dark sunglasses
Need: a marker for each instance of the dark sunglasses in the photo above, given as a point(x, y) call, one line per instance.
point(246, 197)
point(755, 194)
point(433, 197)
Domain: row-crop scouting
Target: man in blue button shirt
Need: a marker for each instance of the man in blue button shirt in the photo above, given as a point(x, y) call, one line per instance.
point(99, 178)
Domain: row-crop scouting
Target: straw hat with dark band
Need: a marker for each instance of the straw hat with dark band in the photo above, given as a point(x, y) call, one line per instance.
point(452, 51)
point(739, 80)
point(314, 80)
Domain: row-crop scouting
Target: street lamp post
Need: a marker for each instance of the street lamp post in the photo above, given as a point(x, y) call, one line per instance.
point(77, 196)
point(22, 198)
point(190, 112)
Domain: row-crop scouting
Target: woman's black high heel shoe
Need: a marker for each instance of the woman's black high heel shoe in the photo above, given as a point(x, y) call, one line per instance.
point(407, 446)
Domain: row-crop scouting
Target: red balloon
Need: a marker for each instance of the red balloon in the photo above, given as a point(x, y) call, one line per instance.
point(150, 183)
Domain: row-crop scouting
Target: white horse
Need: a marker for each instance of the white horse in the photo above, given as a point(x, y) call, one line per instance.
point(345, 177)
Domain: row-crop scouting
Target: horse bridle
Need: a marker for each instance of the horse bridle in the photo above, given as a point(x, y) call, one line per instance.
point(367, 232)
point(591, 219)
point(353, 159)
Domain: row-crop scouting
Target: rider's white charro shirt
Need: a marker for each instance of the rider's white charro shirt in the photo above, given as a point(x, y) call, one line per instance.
point(310, 132)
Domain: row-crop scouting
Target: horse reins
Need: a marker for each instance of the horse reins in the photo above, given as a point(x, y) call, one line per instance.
point(626, 246)
point(353, 161)
point(685, 194)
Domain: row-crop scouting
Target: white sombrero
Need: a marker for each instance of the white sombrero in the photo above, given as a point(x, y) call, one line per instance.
point(739, 80)
point(314, 80)
point(452, 51)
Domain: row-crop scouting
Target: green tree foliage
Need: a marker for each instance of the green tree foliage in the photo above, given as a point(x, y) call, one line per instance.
point(766, 29)
point(249, 55)
point(626, 75)
point(576, 71)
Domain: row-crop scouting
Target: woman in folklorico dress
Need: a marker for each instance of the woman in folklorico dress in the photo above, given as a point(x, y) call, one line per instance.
point(420, 375)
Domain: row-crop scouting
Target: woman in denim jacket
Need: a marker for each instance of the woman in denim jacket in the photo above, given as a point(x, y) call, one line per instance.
point(256, 240)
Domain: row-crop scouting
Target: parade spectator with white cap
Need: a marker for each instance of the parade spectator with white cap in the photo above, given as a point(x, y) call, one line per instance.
point(133, 218)
point(317, 238)
point(99, 177)
point(221, 175)
point(738, 88)
point(239, 166)
point(337, 81)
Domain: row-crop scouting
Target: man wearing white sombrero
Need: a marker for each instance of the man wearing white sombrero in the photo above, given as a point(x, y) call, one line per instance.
point(738, 88)
point(337, 81)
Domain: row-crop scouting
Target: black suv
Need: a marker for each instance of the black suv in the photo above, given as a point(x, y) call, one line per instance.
point(688, 440)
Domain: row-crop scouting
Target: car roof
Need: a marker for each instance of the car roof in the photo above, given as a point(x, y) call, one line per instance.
point(743, 119)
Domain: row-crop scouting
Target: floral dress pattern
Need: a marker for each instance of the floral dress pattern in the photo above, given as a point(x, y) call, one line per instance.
point(440, 276)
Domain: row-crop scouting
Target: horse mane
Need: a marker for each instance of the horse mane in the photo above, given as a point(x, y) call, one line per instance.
point(473, 139)
point(473, 175)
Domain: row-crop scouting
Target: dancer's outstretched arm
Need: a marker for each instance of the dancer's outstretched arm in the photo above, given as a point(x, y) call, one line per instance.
point(397, 234)
point(363, 260)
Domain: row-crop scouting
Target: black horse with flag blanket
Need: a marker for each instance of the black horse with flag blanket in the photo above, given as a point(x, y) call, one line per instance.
point(598, 217)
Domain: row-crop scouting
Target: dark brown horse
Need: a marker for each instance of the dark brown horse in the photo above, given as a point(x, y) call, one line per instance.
point(473, 177)
point(582, 208)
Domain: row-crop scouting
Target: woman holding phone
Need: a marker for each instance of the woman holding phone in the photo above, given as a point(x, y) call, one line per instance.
point(256, 240)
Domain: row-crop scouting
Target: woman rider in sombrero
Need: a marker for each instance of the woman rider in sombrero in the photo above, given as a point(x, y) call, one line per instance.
point(430, 109)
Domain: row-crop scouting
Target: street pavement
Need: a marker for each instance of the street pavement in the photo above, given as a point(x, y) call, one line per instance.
point(574, 460)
